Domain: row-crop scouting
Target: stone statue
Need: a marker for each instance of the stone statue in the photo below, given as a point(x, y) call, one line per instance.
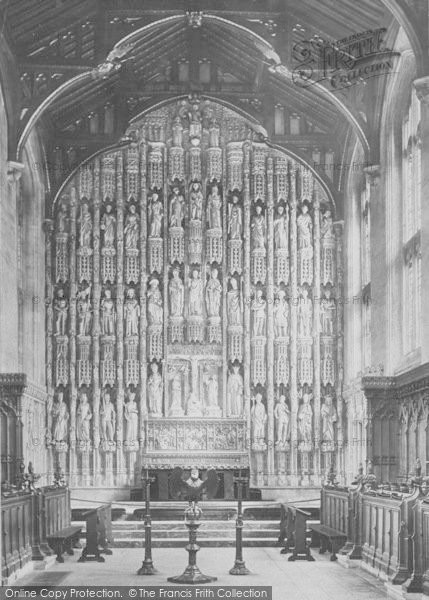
point(131, 229)
point(108, 314)
point(281, 228)
point(61, 306)
point(212, 390)
point(282, 417)
point(83, 418)
point(305, 314)
point(84, 310)
point(305, 419)
point(107, 418)
point(305, 228)
point(213, 294)
point(234, 304)
point(214, 206)
point(177, 208)
point(177, 294)
point(327, 226)
point(258, 416)
point(155, 388)
point(281, 315)
point(131, 313)
point(193, 406)
point(235, 219)
point(329, 417)
point(61, 219)
point(259, 314)
point(155, 216)
point(257, 228)
point(196, 201)
point(195, 294)
point(108, 225)
point(327, 313)
point(131, 419)
point(235, 392)
point(154, 303)
point(61, 418)
point(85, 221)
point(176, 409)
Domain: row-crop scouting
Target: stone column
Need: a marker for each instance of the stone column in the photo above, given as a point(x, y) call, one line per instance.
point(293, 327)
point(9, 269)
point(378, 269)
point(270, 322)
point(422, 89)
point(48, 227)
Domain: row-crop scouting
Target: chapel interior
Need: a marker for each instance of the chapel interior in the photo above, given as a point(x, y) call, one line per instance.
point(213, 239)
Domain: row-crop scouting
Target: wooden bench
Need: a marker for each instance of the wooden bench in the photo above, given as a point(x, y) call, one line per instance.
point(63, 541)
point(329, 537)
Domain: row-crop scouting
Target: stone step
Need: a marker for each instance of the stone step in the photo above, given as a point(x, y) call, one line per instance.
point(202, 534)
point(167, 525)
point(203, 543)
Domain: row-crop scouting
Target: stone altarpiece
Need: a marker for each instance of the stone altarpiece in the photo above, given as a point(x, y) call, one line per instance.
point(193, 283)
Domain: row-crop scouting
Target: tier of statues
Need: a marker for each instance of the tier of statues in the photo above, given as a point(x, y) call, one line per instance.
point(179, 291)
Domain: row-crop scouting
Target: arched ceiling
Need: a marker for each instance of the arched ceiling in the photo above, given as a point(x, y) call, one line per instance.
point(85, 63)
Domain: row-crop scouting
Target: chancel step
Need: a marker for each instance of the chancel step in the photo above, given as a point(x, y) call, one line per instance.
point(261, 524)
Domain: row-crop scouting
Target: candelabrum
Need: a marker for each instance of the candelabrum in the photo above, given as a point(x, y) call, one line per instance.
point(192, 573)
point(147, 567)
point(239, 567)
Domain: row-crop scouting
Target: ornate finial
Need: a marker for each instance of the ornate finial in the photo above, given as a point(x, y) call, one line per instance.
point(195, 18)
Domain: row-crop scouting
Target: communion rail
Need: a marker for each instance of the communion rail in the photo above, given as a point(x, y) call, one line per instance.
point(28, 518)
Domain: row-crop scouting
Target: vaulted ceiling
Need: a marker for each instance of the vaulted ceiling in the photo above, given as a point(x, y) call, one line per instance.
point(78, 59)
